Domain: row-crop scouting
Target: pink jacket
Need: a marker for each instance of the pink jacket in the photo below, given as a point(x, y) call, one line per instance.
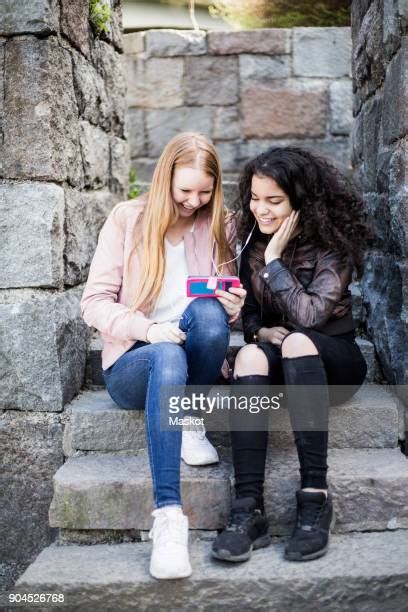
point(108, 291)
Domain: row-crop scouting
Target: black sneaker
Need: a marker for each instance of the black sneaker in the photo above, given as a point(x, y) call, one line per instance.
point(314, 517)
point(247, 530)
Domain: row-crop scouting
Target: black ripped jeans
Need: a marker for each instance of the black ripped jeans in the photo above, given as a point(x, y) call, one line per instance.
point(308, 394)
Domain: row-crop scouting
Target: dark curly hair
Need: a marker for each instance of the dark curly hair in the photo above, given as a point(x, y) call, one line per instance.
point(331, 211)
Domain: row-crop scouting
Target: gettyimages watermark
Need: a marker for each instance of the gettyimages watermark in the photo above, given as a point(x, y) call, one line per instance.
point(277, 408)
point(208, 403)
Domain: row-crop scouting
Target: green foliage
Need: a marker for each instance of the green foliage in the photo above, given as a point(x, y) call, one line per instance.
point(100, 15)
point(283, 13)
point(134, 187)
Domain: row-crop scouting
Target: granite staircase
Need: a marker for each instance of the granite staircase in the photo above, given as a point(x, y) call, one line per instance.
point(103, 500)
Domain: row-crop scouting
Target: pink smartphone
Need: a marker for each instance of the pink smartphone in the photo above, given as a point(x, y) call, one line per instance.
point(204, 286)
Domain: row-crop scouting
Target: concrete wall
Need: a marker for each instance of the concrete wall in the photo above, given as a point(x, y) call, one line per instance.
point(63, 166)
point(246, 90)
point(380, 71)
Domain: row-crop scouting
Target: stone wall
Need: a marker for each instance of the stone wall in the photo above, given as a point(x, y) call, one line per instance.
point(246, 90)
point(63, 166)
point(380, 71)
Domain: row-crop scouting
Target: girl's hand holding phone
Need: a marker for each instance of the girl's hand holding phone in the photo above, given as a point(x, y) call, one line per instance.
point(165, 332)
point(280, 239)
point(232, 300)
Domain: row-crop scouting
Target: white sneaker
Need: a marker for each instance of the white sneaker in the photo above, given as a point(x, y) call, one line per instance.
point(170, 544)
point(196, 449)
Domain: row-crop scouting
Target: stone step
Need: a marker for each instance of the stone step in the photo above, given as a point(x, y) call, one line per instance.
point(114, 491)
point(94, 377)
point(361, 571)
point(96, 423)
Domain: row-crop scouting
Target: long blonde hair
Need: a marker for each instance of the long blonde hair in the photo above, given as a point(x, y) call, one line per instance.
point(192, 150)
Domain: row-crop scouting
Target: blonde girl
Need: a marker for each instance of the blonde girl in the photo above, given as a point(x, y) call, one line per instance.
point(154, 336)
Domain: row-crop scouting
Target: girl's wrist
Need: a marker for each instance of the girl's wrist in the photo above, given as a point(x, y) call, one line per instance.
point(261, 333)
point(233, 318)
point(149, 330)
point(270, 257)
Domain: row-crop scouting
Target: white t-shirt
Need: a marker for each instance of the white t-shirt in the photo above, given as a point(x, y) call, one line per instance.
point(172, 300)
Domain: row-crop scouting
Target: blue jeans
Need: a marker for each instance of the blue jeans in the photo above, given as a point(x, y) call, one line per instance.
point(134, 382)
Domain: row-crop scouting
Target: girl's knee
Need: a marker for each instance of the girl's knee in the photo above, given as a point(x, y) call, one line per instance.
point(208, 310)
point(208, 318)
point(297, 344)
point(170, 360)
point(251, 360)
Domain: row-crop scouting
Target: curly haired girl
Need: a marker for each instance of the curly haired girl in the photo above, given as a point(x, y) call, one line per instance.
point(308, 235)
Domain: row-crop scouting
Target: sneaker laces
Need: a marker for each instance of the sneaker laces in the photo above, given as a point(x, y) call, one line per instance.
point(168, 529)
point(239, 520)
point(196, 431)
point(309, 515)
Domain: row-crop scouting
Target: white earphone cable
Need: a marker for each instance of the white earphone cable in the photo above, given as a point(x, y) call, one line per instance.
point(224, 263)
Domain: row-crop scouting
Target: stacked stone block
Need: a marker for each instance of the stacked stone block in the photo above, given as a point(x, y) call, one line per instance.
point(246, 90)
point(380, 69)
point(63, 165)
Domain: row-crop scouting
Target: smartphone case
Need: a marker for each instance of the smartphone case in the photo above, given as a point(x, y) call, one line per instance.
point(197, 286)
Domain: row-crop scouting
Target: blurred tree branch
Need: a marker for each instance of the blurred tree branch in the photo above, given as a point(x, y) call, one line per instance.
point(192, 14)
point(283, 13)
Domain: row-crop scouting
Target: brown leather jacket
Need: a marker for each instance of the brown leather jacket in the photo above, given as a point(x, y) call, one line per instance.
point(306, 288)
